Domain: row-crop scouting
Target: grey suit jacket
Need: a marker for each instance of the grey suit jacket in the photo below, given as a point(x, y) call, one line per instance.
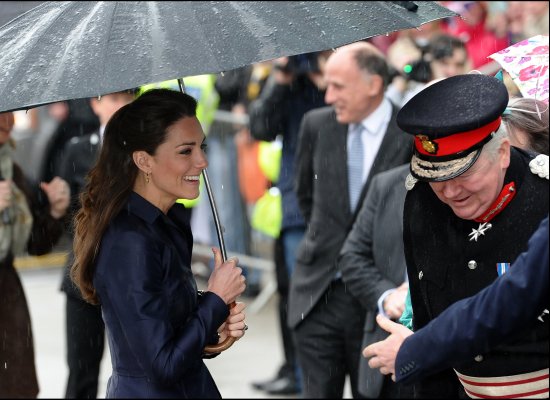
point(322, 191)
point(372, 259)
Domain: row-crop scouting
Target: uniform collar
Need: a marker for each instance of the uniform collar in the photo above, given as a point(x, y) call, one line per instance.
point(512, 183)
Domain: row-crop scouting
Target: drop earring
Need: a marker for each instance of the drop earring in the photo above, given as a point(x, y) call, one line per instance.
point(147, 177)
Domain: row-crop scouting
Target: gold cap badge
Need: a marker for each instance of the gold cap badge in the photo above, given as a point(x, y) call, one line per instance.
point(427, 144)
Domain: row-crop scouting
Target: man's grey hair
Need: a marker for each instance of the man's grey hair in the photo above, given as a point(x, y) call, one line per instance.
point(491, 147)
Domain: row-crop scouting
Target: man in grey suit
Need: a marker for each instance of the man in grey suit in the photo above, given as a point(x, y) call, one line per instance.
point(373, 268)
point(339, 149)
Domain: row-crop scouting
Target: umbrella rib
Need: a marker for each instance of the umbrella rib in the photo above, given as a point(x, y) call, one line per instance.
point(107, 41)
point(203, 34)
point(25, 58)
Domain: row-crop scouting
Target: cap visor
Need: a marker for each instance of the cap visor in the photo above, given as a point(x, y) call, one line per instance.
point(439, 171)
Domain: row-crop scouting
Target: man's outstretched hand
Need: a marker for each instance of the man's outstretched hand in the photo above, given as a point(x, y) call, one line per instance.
point(382, 354)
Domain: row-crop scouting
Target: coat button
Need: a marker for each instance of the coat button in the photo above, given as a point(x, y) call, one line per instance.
point(472, 264)
point(420, 275)
point(478, 358)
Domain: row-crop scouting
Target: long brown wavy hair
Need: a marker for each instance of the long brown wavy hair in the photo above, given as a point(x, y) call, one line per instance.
point(139, 126)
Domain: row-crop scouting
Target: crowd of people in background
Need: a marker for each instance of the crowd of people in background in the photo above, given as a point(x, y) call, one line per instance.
point(245, 109)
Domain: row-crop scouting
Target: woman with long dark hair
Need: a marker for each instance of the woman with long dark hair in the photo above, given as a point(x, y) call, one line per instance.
point(133, 246)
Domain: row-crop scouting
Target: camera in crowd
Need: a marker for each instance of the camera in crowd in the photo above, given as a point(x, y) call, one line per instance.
point(439, 48)
point(420, 69)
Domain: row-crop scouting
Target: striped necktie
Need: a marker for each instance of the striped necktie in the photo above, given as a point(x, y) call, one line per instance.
point(355, 165)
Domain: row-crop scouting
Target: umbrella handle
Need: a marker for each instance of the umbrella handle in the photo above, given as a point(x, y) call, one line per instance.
point(228, 342)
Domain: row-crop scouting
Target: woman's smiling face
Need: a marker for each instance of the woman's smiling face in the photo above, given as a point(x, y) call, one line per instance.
point(178, 162)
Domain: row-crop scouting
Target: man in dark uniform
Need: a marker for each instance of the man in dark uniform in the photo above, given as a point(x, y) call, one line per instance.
point(471, 325)
point(473, 203)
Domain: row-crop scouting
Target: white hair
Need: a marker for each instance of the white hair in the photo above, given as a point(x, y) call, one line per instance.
point(490, 149)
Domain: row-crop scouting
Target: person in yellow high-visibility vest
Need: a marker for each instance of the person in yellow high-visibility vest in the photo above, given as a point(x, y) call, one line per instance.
point(268, 214)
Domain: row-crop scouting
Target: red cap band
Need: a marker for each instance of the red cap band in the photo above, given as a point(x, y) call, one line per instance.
point(455, 143)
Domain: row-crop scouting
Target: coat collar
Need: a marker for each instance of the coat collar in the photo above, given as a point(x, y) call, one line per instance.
point(140, 207)
point(177, 216)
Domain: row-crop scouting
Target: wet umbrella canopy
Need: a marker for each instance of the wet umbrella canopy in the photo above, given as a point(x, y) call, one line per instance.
point(66, 50)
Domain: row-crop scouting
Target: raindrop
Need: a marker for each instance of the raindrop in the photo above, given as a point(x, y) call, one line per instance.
point(222, 73)
point(315, 177)
point(323, 32)
point(222, 187)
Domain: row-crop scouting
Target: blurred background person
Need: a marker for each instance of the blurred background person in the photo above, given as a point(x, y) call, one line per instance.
point(237, 88)
point(84, 328)
point(473, 29)
point(295, 86)
point(76, 118)
point(32, 220)
point(527, 123)
point(441, 57)
point(525, 19)
point(373, 267)
point(340, 148)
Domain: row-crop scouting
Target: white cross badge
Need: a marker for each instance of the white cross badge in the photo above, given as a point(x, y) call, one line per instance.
point(479, 231)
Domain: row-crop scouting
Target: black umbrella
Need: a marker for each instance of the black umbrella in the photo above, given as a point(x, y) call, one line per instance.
point(11, 9)
point(77, 49)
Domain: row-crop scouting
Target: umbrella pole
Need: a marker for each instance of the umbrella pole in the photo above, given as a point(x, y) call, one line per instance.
point(219, 229)
point(216, 348)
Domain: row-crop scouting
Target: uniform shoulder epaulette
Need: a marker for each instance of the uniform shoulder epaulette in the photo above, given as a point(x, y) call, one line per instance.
point(410, 181)
point(539, 166)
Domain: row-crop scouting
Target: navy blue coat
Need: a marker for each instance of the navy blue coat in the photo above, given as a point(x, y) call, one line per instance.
point(474, 325)
point(156, 323)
